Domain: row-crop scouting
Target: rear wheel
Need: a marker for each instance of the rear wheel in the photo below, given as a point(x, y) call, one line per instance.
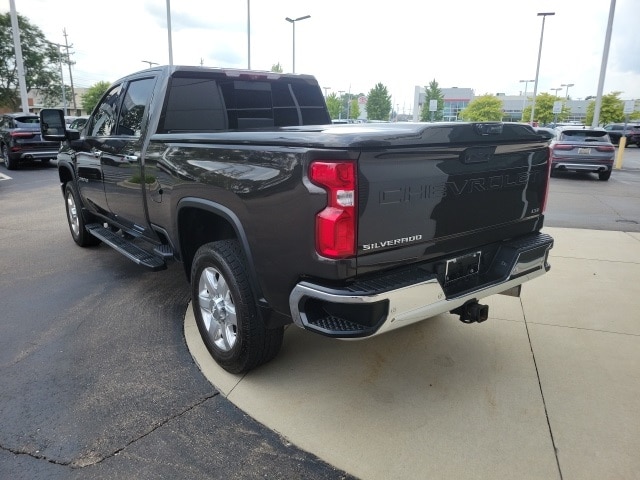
point(8, 161)
point(75, 219)
point(604, 176)
point(225, 311)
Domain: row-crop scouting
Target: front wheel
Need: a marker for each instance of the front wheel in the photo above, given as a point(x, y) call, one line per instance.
point(225, 311)
point(75, 219)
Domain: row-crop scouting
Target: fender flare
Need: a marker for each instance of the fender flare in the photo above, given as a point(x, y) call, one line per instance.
point(226, 213)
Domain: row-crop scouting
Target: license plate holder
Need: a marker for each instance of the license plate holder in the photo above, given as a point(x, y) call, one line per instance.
point(584, 151)
point(462, 267)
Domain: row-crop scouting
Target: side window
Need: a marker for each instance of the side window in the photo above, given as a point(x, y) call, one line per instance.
point(104, 121)
point(193, 104)
point(133, 106)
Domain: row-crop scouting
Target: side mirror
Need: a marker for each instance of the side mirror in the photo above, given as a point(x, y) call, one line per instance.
point(52, 125)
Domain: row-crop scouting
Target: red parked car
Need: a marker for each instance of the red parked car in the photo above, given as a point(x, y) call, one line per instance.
point(20, 140)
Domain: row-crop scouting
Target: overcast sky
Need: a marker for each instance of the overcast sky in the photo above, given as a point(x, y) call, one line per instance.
point(486, 45)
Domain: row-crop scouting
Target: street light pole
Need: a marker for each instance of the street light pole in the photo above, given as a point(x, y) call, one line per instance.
point(535, 82)
point(169, 33)
point(524, 102)
point(603, 66)
point(248, 34)
point(149, 62)
point(566, 95)
point(556, 90)
point(293, 21)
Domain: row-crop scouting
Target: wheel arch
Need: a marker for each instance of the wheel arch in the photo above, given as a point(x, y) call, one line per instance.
point(200, 221)
point(65, 174)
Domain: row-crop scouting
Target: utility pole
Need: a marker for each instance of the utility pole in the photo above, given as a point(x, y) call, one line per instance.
point(67, 46)
point(64, 96)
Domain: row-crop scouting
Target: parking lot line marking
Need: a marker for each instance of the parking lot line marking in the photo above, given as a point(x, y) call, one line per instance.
point(4, 177)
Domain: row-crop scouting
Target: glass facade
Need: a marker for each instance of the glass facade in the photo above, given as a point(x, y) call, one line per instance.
point(452, 109)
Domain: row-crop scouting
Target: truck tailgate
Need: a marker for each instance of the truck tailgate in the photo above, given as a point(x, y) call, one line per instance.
point(449, 187)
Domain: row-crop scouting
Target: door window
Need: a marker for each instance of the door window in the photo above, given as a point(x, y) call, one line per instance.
point(104, 121)
point(133, 107)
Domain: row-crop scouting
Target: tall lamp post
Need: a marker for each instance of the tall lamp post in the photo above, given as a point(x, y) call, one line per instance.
point(524, 102)
point(293, 21)
point(566, 95)
point(556, 90)
point(535, 82)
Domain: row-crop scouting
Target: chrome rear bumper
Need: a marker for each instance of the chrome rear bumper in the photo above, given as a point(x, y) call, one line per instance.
point(363, 311)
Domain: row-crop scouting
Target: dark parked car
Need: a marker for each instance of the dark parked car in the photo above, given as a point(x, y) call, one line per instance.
point(582, 150)
point(616, 130)
point(20, 140)
point(78, 123)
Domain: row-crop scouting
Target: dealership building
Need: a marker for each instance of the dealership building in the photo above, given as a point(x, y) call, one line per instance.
point(456, 99)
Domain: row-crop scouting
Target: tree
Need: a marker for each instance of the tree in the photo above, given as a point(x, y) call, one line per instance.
point(333, 105)
point(636, 111)
point(93, 95)
point(432, 92)
point(611, 109)
point(354, 110)
point(276, 67)
point(52, 96)
point(543, 113)
point(486, 108)
point(378, 103)
point(40, 59)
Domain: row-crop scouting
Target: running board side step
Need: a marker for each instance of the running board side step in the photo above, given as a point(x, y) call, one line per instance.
point(127, 248)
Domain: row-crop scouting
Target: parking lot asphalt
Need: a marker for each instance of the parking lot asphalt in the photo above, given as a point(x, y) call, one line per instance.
point(548, 387)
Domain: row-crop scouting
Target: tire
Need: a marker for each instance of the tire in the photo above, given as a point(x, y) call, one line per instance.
point(604, 176)
point(75, 219)
point(225, 310)
point(9, 163)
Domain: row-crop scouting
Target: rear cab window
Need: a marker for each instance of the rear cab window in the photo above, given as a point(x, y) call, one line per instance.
point(209, 102)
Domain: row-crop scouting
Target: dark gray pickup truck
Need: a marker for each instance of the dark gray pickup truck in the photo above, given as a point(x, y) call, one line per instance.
point(280, 217)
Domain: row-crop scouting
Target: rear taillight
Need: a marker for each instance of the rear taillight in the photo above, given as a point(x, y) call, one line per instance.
point(336, 224)
point(548, 181)
point(22, 134)
point(606, 148)
point(561, 146)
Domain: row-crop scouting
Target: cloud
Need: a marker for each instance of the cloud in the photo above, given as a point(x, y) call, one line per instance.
point(625, 42)
point(185, 19)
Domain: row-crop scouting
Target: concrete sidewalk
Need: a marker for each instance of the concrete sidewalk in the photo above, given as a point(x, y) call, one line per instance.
point(548, 387)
